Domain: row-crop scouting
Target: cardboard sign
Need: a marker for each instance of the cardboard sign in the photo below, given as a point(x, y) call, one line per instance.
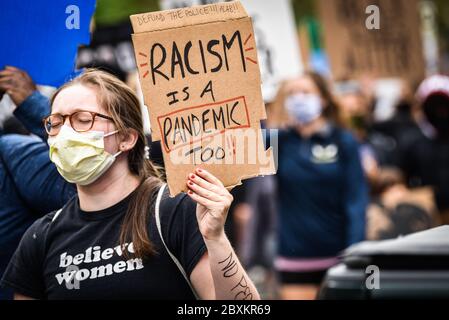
point(393, 50)
point(200, 78)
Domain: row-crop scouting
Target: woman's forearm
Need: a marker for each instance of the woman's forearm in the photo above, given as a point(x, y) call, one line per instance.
point(230, 279)
point(213, 202)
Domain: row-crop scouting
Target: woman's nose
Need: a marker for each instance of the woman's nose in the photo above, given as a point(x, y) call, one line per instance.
point(66, 120)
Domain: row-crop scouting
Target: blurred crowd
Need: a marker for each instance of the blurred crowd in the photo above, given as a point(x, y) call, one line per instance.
point(344, 176)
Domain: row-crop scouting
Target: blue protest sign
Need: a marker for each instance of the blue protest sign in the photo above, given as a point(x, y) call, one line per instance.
point(42, 36)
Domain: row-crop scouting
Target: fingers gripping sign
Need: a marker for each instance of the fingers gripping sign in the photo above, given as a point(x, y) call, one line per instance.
point(213, 202)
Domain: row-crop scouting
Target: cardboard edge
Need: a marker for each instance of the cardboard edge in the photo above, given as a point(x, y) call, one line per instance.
point(196, 20)
point(189, 25)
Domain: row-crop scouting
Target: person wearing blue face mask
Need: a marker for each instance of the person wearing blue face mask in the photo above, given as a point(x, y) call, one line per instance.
point(321, 187)
point(304, 108)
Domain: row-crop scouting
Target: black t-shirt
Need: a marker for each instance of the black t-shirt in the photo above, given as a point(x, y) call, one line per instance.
point(77, 255)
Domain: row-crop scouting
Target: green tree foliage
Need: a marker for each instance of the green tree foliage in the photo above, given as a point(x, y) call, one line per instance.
point(111, 12)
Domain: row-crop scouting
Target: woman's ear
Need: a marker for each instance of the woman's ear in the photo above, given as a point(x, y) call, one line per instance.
point(128, 140)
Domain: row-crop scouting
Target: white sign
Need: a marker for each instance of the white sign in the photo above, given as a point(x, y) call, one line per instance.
point(276, 38)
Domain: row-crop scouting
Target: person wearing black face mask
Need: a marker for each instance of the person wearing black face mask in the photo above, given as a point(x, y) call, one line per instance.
point(436, 110)
point(391, 137)
point(426, 161)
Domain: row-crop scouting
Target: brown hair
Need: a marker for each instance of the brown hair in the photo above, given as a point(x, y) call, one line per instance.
point(278, 117)
point(331, 108)
point(123, 106)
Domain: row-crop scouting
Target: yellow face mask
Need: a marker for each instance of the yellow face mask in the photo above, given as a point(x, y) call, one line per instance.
point(80, 157)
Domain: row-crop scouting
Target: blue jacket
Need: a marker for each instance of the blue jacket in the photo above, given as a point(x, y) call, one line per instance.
point(322, 194)
point(30, 185)
point(32, 111)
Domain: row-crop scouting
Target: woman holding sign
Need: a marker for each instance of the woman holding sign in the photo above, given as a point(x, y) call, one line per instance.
point(122, 237)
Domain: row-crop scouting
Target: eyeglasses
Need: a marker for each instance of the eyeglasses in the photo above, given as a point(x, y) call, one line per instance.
point(81, 121)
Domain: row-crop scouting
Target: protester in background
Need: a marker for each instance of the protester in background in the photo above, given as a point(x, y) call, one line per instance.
point(426, 160)
point(30, 186)
point(356, 113)
point(321, 188)
point(391, 138)
point(257, 247)
point(397, 210)
point(30, 105)
point(122, 216)
point(24, 156)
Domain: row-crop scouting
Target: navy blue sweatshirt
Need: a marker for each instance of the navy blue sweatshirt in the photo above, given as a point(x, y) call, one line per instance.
point(322, 193)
